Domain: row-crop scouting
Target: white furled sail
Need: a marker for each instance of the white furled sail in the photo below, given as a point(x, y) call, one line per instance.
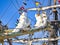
point(23, 22)
point(41, 20)
point(38, 20)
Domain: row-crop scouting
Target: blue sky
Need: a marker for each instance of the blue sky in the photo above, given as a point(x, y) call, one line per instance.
point(9, 9)
point(9, 12)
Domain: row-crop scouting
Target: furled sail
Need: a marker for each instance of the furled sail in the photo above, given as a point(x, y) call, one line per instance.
point(23, 22)
point(41, 20)
point(38, 20)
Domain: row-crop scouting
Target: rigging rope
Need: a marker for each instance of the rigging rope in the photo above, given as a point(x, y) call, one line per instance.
point(13, 4)
point(32, 19)
point(11, 18)
point(5, 11)
point(49, 9)
point(14, 14)
point(17, 3)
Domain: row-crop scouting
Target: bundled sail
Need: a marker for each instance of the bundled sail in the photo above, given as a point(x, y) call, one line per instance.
point(38, 20)
point(41, 20)
point(23, 22)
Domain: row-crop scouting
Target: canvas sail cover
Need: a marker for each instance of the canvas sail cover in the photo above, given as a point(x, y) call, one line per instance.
point(23, 22)
point(41, 20)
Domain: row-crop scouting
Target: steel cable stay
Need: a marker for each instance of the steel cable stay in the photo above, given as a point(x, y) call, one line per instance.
point(17, 3)
point(8, 28)
point(13, 4)
point(11, 18)
point(3, 16)
point(31, 19)
point(29, 16)
point(18, 6)
point(5, 11)
point(36, 7)
point(43, 11)
point(49, 9)
point(8, 21)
